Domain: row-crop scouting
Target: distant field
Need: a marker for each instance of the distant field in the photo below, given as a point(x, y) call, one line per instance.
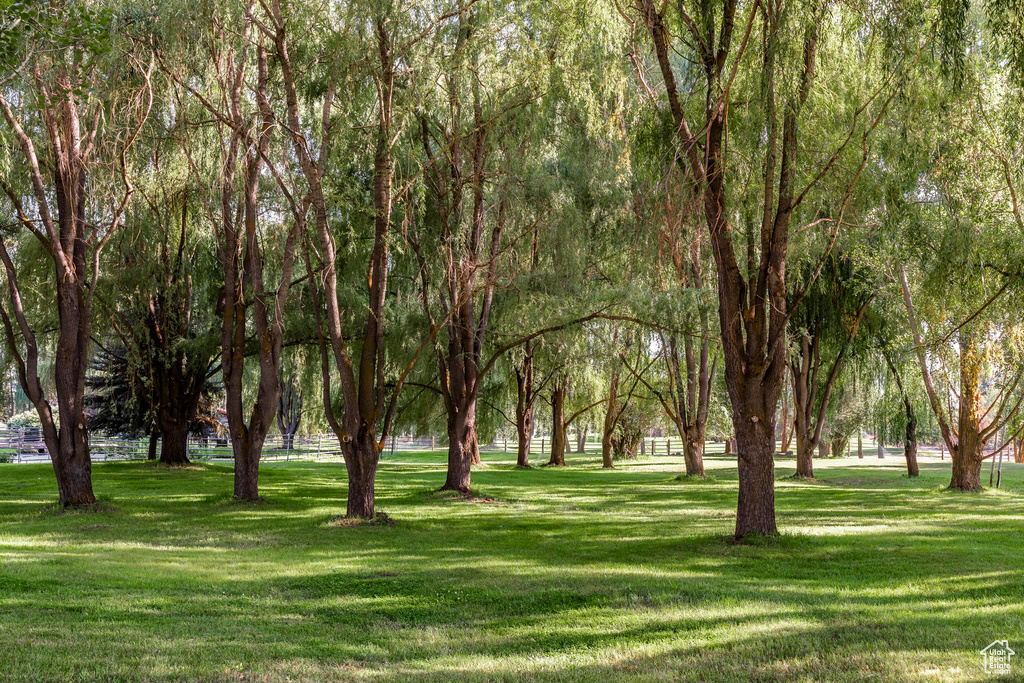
point(574, 574)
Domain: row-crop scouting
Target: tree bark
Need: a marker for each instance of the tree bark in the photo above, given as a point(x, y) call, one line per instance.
point(755, 512)
point(154, 437)
point(610, 419)
point(460, 458)
point(693, 451)
point(581, 437)
point(804, 454)
point(174, 443)
point(968, 455)
point(361, 458)
point(558, 423)
point(910, 444)
point(247, 471)
point(524, 406)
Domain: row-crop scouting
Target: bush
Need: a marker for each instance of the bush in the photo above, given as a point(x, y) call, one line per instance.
point(27, 419)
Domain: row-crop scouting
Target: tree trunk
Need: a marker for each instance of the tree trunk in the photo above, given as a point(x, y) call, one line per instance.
point(693, 451)
point(581, 437)
point(558, 423)
point(804, 455)
point(460, 456)
point(910, 445)
point(247, 471)
point(860, 444)
point(524, 406)
point(967, 457)
point(610, 418)
point(154, 437)
point(824, 449)
point(361, 458)
point(474, 446)
point(755, 512)
point(174, 444)
point(524, 430)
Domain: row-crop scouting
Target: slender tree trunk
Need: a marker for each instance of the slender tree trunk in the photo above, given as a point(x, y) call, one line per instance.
point(154, 437)
point(860, 444)
point(524, 406)
point(610, 418)
point(910, 445)
point(581, 437)
point(558, 423)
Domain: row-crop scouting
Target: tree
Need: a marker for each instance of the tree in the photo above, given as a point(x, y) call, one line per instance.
point(74, 76)
point(824, 328)
point(244, 241)
point(752, 296)
point(289, 412)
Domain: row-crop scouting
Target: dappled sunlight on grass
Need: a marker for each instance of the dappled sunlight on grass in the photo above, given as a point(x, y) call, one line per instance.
point(572, 573)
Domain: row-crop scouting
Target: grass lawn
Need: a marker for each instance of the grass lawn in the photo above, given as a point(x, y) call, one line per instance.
point(571, 574)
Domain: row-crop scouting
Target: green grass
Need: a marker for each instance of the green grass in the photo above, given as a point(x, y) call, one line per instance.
point(573, 574)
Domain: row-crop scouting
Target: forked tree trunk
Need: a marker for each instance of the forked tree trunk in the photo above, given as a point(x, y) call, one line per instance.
point(524, 406)
point(693, 448)
point(581, 437)
point(693, 454)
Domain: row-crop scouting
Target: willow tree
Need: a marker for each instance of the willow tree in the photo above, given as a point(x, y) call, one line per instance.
point(823, 330)
point(74, 94)
point(226, 130)
point(784, 62)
